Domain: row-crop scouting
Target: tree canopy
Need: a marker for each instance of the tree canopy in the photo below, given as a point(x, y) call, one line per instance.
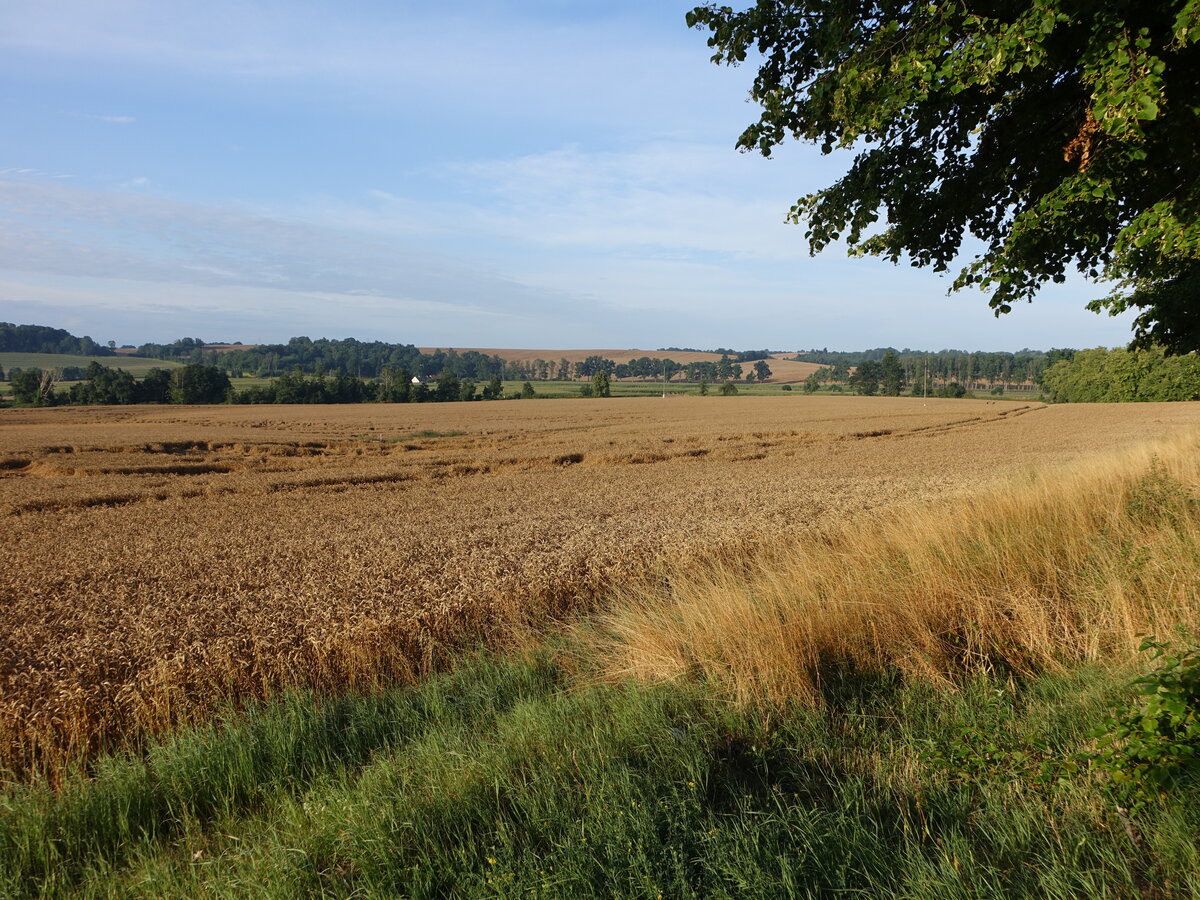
point(1059, 133)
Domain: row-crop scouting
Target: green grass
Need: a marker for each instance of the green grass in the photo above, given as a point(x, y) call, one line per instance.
point(511, 778)
point(249, 381)
point(135, 365)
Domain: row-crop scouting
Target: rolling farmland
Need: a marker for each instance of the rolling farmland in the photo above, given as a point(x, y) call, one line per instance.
point(784, 370)
point(160, 560)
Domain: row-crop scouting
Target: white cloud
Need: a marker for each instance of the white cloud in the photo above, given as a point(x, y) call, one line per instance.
point(667, 243)
point(112, 252)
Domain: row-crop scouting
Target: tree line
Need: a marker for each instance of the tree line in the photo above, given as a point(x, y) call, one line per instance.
point(1117, 376)
point(110, 386)
point(976, 369)
point(362, 359)
point(646, 368)
point(44, 339)
point(196, 383)
point(372, 359)
point(891, 376)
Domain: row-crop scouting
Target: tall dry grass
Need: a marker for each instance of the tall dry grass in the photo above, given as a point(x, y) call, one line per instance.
point(1061, 567)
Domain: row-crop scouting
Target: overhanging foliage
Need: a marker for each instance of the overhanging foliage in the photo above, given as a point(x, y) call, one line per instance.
point(1060, 133)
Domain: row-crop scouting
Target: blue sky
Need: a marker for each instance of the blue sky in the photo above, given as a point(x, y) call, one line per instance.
point(551, 174)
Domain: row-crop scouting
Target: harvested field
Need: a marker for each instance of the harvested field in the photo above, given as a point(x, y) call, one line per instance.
point(158, 560)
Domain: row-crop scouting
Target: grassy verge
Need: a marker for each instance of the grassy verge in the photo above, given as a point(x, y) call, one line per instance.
point(507, 778)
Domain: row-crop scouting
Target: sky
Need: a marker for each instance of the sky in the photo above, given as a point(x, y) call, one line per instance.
point(542, 174)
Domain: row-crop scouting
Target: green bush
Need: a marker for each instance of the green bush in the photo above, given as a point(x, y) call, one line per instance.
point(1155, 746)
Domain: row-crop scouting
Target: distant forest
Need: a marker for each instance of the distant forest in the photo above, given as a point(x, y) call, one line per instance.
point(377, 359)
point(972, 368)
point(43, 339)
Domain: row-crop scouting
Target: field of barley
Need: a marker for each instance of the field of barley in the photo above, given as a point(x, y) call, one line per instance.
point(159, 561)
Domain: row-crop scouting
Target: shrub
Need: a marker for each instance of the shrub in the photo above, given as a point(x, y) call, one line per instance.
point(1155, 746)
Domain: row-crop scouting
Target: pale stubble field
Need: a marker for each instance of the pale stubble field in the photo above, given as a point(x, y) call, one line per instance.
point(158, 561)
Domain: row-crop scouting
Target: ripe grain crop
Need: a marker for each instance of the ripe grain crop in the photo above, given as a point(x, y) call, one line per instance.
point(161, 561)
point(1066, 566)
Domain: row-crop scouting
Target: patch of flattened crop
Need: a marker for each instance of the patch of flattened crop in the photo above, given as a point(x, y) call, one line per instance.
point(637, 459)
point(462, 470)
point(377, 478)
point(863, 435)
point(175, 448)
point(37, 506)
point(177, 469)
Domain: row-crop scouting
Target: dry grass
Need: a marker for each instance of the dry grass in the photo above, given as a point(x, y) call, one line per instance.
point(158, 561)
point(1070, 565)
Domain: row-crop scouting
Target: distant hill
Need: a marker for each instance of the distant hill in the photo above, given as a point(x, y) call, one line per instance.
point(44, 339)
point(784, 370)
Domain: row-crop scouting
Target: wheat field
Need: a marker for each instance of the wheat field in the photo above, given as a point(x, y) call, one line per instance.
point(160, 561)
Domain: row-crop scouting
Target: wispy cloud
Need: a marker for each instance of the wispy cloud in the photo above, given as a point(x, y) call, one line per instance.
point(107, 249)
point(559, 247)
point(26, 172)
point(116, 120)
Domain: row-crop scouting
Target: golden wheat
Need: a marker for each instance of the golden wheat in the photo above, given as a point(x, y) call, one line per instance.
point(159, 561)
point(1065, 566)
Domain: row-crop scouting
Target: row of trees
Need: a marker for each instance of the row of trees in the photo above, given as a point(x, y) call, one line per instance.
point(737, 355)
point(199, 384)
point(371, 360)
point(394, 386)
point(107, 386)
point(1114, 376)
point(887, 377)
point(647, 368)
point(974, 368)
point(44, 339)
point(364, 359)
